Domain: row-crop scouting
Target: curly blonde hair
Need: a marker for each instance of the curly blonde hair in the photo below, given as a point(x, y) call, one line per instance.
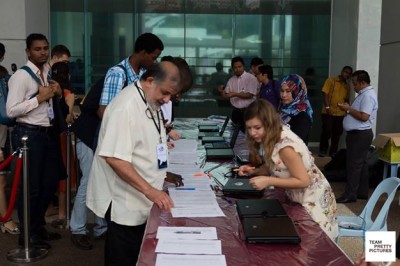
point(269, 118)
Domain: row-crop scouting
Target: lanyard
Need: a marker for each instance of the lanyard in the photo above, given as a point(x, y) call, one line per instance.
point(158, 126)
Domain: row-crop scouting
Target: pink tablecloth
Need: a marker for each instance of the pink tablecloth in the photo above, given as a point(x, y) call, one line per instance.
point(315, 248)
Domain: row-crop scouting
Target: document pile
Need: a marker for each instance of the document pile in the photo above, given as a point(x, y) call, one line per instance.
point(195, 198)
point(195, 246)
point(184, 152)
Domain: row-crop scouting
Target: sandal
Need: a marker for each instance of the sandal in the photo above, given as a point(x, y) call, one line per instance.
point(10, 227)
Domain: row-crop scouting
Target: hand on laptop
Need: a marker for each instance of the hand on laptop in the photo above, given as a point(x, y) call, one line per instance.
point(246, 170)
point(260, 182)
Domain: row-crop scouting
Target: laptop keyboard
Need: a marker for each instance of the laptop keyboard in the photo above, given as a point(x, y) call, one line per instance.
point(219, 145)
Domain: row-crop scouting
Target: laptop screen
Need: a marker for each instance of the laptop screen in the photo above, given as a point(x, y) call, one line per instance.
point(234, 136)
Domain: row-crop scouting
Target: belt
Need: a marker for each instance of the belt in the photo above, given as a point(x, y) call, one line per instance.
point(358, 131)
point(36, 127)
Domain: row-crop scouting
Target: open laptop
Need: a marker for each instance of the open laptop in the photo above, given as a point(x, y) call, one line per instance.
point(222, 144)
point(259, 208)
point(270, 230)
point(208, 127)
point(215, 134)
point(240, 187)
point(242, 159)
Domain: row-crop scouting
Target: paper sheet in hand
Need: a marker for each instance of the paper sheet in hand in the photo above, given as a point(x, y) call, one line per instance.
point(182, 246)
point(179, 232)
point(192, 260)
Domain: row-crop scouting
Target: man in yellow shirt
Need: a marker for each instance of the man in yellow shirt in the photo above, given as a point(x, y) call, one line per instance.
point(335, 90)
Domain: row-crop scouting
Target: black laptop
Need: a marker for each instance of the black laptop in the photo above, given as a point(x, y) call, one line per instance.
point(222, 144)
point(208, 127)
point(242, 159)
point(240, 187)
point(259, 208)
point(279, 229)
point(215, 134)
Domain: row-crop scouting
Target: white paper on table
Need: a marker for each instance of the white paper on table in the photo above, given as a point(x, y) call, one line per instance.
point(209, 211)
point(184, 145)
point(187, 170)
point(193, 203)
point(192, 260)
point(181, 232)
point(191, 194)
point(183, 158)
point(182, 246)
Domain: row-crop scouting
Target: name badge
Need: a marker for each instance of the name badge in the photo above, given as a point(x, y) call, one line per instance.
point(50, 112)
point(162, 153)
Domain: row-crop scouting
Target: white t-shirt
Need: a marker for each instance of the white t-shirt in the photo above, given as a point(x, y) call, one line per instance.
point(167, 111)
point(126, 133)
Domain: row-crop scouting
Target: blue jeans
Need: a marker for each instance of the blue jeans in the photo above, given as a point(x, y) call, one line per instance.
point(80, 211)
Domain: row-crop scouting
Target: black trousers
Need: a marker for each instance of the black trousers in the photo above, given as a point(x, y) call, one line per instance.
point(45, 169)
point(123, 243)
point(332, 128)
point(357, 144)
point(237, 118)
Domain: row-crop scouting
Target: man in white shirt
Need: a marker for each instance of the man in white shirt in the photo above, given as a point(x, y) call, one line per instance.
point(241, 89)
point(128, 168)
point(30, 101)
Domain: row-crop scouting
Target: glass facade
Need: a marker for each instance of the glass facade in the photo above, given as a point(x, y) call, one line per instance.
point(292, 36)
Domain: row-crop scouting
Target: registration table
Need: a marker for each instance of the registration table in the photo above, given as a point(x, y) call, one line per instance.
point(315, 248)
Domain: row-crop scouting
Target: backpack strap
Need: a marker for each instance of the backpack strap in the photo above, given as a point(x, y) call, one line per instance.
point(126, 75)
point(38, 81)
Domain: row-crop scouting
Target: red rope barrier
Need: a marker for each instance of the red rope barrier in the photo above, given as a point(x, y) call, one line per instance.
point(14, 189)
point(6, 161)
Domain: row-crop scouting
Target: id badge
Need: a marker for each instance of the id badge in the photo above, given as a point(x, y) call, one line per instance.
point(162, 153)
point(50, 112)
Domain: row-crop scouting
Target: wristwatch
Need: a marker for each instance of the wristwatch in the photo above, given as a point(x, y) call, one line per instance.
point(348, 111)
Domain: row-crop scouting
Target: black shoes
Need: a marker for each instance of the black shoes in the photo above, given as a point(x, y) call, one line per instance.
point(38, 241)
point(362, 197)
point(81, 241)
point(101, 237)
point(48, 236)
point(35, 243)
point(345, 199)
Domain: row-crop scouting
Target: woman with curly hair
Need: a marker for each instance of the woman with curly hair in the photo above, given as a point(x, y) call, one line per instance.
point(283, 160)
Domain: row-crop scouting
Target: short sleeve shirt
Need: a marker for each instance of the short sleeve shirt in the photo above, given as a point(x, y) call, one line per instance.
point(338, 92)
point(115, 80)
point(366, 102)
point(126, 133)
point(245, 83)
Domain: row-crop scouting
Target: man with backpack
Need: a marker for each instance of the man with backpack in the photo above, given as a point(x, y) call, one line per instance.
point(30, 101)
point(147, 49)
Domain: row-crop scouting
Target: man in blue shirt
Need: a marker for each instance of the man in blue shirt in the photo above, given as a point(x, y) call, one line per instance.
point(358, 125)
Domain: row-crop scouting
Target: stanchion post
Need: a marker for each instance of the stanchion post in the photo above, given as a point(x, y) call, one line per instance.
point(28, 253)
point(68, 200)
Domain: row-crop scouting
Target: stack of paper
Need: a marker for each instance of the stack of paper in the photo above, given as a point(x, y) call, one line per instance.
point(189, 246)
point(184, 152)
